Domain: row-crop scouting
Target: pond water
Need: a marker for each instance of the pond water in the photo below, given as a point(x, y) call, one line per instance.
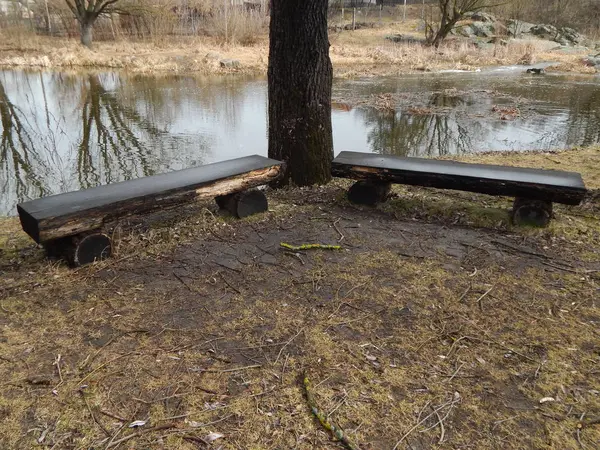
point(67, 131)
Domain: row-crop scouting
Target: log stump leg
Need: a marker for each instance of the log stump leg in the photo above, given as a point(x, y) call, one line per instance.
point(369, 192)
point(535, 213)
point(81, 249)
point(244, 204)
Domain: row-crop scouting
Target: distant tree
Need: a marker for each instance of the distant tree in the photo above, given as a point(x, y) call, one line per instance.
point(300, 79)
point(452, 11)
point(86, 12)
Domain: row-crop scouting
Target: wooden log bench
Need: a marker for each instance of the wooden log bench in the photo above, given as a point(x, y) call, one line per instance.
point(534, 190)
point(71, 225)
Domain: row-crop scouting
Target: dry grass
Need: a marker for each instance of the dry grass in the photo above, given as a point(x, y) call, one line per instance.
point(362, 52)
point(436, 301)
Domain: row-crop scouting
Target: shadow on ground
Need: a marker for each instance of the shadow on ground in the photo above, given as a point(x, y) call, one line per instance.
point(430, 328)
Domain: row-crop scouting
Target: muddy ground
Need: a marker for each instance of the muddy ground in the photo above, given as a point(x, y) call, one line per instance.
point(436, 325)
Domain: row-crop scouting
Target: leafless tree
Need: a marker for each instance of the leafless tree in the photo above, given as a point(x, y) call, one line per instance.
point(451, 11)
point(87, 12)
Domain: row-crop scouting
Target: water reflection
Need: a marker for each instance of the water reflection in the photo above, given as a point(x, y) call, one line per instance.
point(66, 131)
point(18, 158)
point(453, 114)
point(405, 133)
point(109, 138)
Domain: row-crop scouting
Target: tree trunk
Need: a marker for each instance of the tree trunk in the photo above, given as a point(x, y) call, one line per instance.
point(300, 78)
point(445, 29)
point(86, 33)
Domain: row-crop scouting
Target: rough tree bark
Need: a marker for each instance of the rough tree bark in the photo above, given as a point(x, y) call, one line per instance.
point(300, 78)
point(86, 12)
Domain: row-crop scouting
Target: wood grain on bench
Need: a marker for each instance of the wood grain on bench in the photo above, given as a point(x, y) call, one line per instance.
point(68, 214)
point(548, 185)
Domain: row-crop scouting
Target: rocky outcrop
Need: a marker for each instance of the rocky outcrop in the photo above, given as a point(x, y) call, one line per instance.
point(593, 61)
point(517, 27)
point(483, 29)
point(544, 31)
point(476, 29)
point(483, 25)
point(564, 36)
point(570, 35)
point(483, 17)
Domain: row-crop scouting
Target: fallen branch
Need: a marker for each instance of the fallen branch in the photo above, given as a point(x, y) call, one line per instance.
point(310, 246)
point(336, 431)
point(456, 399)
point(94, 418)
point(235, 369)
point(140, 433)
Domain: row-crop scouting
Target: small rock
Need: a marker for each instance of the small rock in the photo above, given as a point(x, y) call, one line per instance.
point(230, 63)
point(212, 55)
point(483, 17)
point(592, 61)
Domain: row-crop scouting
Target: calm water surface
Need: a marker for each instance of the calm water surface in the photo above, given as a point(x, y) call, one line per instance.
point(67, 131)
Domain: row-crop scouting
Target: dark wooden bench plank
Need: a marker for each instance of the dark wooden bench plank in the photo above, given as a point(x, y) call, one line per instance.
point(72, 213)
point(537, 184)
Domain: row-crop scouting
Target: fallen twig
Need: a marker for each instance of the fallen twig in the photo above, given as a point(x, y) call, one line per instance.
point(96, 421)
point(337, 432)
point(111, 415)
point(162, 399)
point(578, 432)
point(338, 230)
point(103, 365)
point(435, 411)
point(465, 293)
point(479, 300)
point(310, 246)
point(235, 369)
point(139, 433)
point(57, 362)
point(442, 429)
point(455, 373)
point(287, 343)
point(592, 421)
point(228, 283)
point(492, 341)
point(521, 250)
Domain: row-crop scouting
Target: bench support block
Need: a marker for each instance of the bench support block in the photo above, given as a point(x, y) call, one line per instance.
point(81, 249)
point(369, 192)
point(535, 213)
point(244, 204)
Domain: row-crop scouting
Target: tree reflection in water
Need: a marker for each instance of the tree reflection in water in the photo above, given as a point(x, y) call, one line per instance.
point(403, 133)
point(18, 157)
point(109, 138)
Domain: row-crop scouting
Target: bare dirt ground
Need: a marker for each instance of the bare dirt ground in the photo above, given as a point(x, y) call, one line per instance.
point(436, 325)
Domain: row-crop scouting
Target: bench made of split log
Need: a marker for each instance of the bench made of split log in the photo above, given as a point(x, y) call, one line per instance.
point(69, 225)
point(534, 189)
